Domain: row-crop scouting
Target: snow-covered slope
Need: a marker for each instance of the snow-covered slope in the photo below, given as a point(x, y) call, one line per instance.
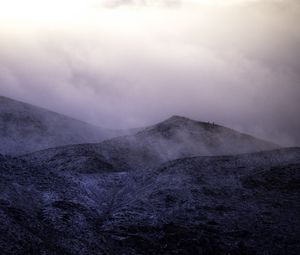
point(246, 204)
point(26, 128)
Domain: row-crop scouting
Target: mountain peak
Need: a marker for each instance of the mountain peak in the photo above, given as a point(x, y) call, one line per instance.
point(178, 119)
point(184, 122)
point(178, 124)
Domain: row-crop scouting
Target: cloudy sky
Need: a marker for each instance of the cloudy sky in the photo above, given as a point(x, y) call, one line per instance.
point(128, 63)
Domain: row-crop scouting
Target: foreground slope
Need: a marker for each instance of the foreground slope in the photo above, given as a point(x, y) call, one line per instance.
point(25, 128)
point(246, 204)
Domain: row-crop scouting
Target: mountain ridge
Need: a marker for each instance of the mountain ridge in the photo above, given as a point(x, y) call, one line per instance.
point(154, 145)
point(26, 128)
point(178, 137)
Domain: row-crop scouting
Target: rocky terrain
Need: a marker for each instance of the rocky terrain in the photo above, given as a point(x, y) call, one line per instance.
point(25, 128)
point(246, 204)
point(177, 187)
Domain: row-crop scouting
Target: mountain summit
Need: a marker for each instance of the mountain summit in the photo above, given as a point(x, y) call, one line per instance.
point(176, 123)
point(179, 137)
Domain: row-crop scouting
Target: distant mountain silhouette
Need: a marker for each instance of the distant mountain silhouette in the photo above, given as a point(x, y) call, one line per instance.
point(25, 128)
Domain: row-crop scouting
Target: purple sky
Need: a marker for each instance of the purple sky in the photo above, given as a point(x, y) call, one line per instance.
point(124, 64)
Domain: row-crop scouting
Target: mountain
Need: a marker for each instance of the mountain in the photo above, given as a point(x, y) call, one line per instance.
point(178, 187)
point(236, 204)
point(174, 138)
point(25, 128)
point(177, 137)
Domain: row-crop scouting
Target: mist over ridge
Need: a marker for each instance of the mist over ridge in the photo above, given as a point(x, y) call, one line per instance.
point(235, 64)
point(26, 128)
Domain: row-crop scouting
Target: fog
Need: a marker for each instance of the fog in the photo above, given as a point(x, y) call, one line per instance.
point(124, 64)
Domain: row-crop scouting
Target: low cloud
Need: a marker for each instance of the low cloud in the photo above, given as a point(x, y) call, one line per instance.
point(236, 65)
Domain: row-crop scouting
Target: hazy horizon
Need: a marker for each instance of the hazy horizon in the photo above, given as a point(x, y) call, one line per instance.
point(126, 64)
